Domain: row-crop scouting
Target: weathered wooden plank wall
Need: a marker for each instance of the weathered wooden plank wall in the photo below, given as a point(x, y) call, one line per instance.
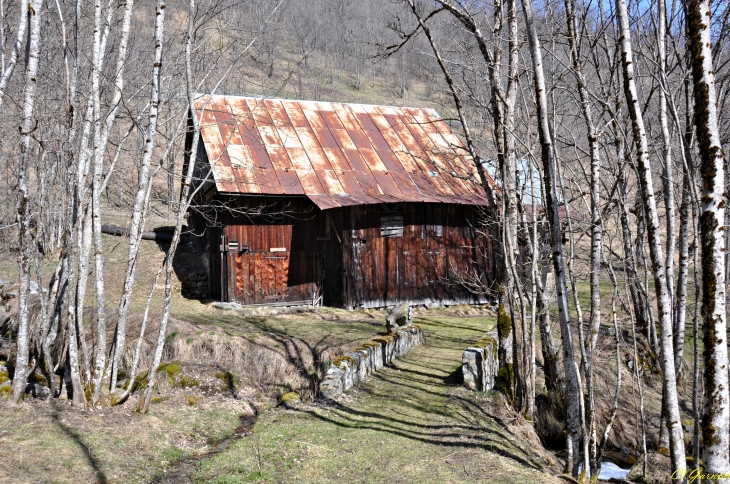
point(277, 256)
point(340, 254)
point(439, 245)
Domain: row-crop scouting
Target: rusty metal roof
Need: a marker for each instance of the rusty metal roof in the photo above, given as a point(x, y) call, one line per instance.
point(336, 154)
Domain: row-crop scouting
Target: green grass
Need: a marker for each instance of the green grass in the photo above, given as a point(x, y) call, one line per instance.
point(60, 444)
point(408, 423)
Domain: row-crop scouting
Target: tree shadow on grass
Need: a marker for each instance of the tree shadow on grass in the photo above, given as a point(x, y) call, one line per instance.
point(471, 410)
point(93, 462)
point(466, 437)
point(439, 418)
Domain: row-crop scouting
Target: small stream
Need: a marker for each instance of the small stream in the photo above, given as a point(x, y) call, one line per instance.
point(184, 470)
point(609, 470)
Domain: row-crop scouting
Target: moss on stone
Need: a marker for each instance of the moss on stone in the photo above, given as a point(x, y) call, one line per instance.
point(388, 338)
point(4, 375)
point(289, 398)
point(663, 451)
point(172, 370)
point(140, 381)
point(486, 342)
point(344, 359)
point(370, 344)
point(186, 381)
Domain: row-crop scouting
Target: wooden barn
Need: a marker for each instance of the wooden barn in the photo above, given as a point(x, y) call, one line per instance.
point(347, 205)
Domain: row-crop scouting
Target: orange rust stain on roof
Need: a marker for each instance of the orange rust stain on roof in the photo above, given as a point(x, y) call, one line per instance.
point(336, 154)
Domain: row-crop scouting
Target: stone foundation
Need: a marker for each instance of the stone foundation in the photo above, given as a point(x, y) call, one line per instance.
point(480, 364)
point(194, 286)
point(352, 368)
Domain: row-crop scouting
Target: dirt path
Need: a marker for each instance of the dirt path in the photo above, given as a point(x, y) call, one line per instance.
point(411, 422)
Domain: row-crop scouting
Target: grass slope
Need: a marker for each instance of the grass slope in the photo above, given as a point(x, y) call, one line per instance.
point(411, 422)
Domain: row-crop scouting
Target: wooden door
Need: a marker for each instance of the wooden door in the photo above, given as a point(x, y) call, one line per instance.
point(263, 277)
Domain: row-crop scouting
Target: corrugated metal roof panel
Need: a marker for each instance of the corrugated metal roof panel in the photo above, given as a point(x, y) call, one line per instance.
point(336, 154)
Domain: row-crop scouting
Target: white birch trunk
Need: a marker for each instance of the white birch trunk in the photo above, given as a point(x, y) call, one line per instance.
point(596, 236)
point(509, 180)
point(502, 105)
point(134, 238)
point(31, 83)
point(146, 398)
point(716, 405)
point(674, 424)
point(680, 312)
point(507, 341)
point(98, 173)
point(571, 373)
point(85, 240)
point(10, 67)
point(76, 172)
point(667, 151)
point(138, 348)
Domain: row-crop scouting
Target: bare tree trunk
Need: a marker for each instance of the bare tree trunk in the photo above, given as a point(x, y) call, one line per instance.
point(596, 237)
point(696, 375)
point(98, 161)
point(145, 399)
point(506, 322)
point(674, 424)
point(716, 408)
point(554, 379)
point(667, 148)
point(680, 313)
point(10, 67)
point(83, 237)
point(24, 215)
point(139, 201)
point(582, 345)
point(137, 350)
point(571, 373)
point(76, 175)
point(41, 331)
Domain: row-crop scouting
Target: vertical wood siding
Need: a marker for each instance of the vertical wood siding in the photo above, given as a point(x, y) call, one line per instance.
point(340, 255)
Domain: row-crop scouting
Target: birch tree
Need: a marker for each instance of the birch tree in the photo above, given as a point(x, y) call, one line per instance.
point(23, 209)
point(502, 106)
point(551, 205)
point(596, 237)
point(146, 398)
point(9, 68)
point(671, 397)
point(716, 405)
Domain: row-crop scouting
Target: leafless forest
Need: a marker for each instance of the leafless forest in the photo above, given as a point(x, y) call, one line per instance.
point(603, 123)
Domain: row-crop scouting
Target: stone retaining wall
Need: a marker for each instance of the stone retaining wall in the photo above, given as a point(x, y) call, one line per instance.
point(352, 368)
point(480, 363)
